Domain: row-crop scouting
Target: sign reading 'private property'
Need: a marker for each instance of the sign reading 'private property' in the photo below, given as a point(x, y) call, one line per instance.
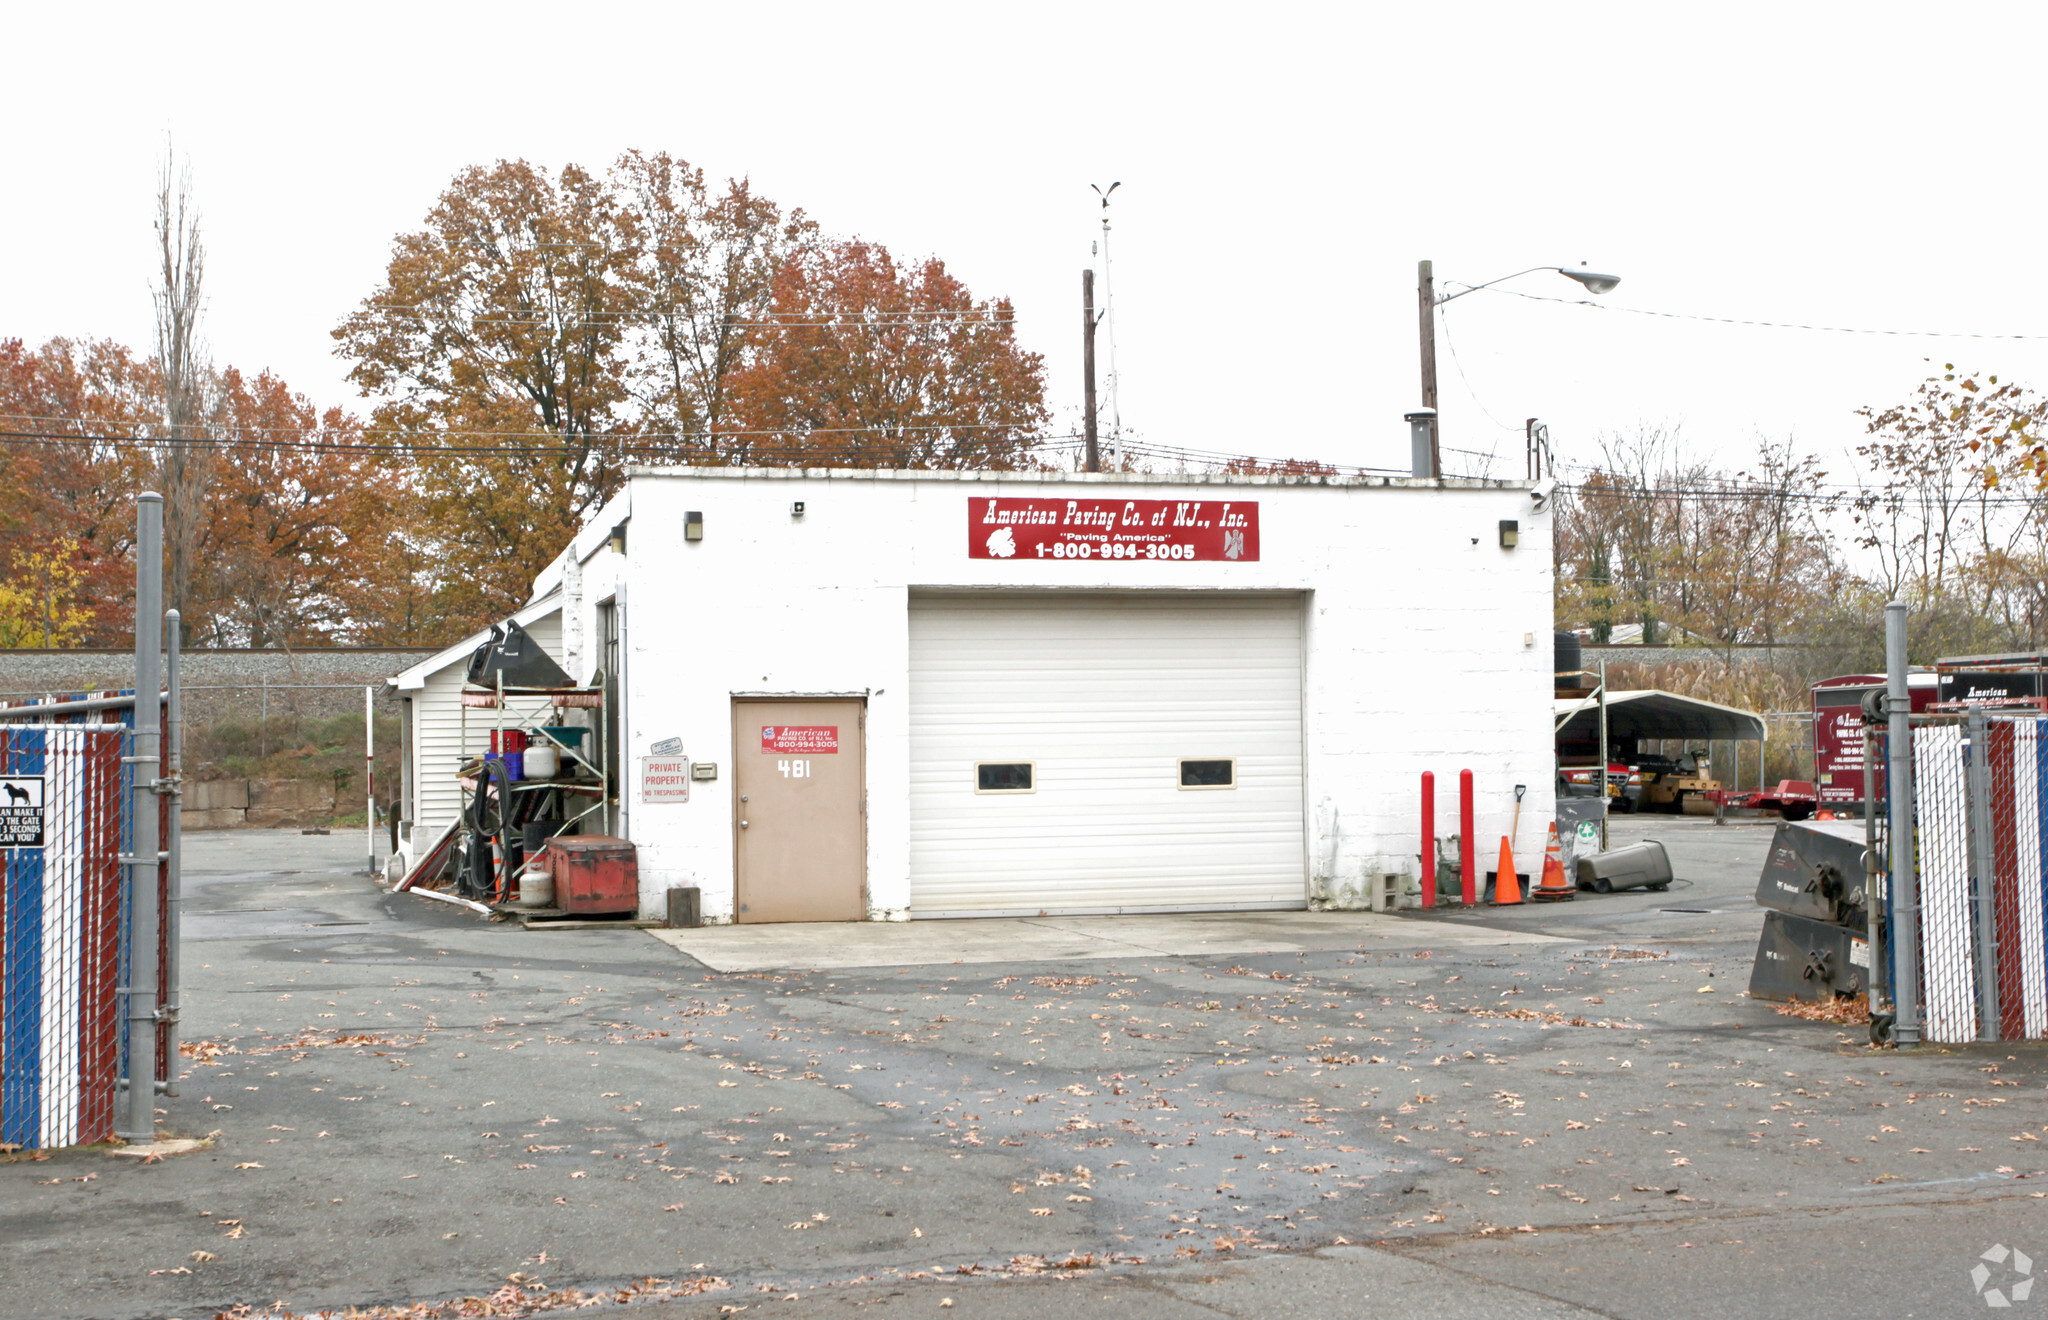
point(664, 779)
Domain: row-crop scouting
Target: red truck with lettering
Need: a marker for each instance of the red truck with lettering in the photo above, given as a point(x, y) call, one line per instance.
point(1838, 734)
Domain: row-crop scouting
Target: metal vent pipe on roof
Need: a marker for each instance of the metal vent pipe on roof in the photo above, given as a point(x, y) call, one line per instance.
point(1419, 427)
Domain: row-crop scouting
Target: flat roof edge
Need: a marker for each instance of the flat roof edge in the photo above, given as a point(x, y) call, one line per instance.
point(1074, 478)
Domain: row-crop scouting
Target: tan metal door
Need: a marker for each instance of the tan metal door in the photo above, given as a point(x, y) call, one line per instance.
point(799, 823)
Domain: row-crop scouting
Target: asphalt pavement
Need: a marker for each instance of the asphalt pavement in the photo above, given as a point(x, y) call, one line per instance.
point(1570, 1109)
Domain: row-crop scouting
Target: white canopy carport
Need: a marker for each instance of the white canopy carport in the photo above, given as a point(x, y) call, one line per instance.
point(1646, 713)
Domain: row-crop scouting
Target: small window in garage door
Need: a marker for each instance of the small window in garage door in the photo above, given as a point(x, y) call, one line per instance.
point(1003, 776)
point(1208, 772)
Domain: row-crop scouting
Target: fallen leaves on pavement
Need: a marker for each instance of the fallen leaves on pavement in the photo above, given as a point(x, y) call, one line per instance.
point(1845, 1012)
point(525, 1297)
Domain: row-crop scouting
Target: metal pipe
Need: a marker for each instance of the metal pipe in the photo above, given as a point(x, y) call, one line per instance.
point(1905, 881)
point(138, 1124)
point(1874, 888)
point(1468, 856)
point(211, 687)
point(370, 776)
point(1977, 777)
point(1603, 754)
point(84, 706)
point(1428, 840)
point(174, 880)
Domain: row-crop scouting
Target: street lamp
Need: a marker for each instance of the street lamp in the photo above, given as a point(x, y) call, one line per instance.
point(1427, 302)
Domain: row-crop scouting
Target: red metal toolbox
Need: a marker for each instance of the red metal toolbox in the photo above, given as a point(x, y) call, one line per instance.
point(594, 873)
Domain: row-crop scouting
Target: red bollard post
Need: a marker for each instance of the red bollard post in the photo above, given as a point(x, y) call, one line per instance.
point(1468, 860)
point(1428, 840)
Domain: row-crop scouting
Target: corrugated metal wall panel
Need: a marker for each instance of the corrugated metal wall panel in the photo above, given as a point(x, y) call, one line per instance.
point(438, 742)
point(1104, 693)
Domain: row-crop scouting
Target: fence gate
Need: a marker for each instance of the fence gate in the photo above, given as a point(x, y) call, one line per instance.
point(1980, 839)
point(62, 919)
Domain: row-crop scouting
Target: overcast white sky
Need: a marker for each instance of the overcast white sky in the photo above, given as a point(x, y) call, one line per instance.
point(1283, 168)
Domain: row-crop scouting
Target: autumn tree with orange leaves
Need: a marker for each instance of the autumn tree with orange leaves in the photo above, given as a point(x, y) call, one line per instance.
point(540, 334)
point(68, 478)
point(295, 543)
point(296, 522)
point(493, 351)
point(544, 331)
point(865, 363)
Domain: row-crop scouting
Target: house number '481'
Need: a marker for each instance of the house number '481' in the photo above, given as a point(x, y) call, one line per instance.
point(794, 769)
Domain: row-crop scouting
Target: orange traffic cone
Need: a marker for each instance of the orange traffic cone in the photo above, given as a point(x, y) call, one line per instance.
point(1506, 888)
point(1554, 885)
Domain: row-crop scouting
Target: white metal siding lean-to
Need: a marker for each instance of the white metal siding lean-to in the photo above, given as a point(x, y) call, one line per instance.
point(438, 725)
point(1105, 692)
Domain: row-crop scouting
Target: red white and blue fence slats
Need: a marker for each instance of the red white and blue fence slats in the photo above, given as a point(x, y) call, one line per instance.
point(2012, 752)
point(61, 923)
point(2030, 767)
point(1947, 943)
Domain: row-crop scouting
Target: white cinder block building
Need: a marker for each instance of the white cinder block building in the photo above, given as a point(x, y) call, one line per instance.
point(930, 694)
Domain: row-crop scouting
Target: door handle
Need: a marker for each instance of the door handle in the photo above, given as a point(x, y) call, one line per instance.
point(743, 824)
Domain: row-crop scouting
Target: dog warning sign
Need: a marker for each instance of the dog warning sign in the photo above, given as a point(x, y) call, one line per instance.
point(21, 811)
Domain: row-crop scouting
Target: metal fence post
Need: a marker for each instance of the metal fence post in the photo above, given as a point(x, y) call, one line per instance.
point(1874, 888)
point(369, 778)
point(1977, 778)
point(139, 1122)
point(1605, 807)
point(1905, 880)
point(173, 803)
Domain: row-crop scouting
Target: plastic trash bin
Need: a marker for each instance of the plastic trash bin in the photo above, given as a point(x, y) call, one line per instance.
point(1640, 865)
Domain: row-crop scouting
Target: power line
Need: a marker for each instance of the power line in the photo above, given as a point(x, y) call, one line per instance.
point(1769, 493)
point(1450, 343)
point(747, 444)
point(852, 318)
point(1767, 325)
point(410, 443)
point(605, 445)
point(1636, 585)
point(515, 435)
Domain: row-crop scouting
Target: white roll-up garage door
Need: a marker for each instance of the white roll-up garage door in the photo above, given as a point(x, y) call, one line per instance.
point(1099, 698)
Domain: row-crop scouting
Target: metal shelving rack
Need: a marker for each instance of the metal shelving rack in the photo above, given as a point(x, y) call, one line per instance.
point(583, 772)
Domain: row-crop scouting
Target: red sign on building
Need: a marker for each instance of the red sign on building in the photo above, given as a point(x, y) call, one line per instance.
point(1134, 531)
point(804, 739)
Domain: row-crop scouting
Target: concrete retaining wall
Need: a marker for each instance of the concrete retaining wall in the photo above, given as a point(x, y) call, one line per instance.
point(241, 683)
point(225, 804)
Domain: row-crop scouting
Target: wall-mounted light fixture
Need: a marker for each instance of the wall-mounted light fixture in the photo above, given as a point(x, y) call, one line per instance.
point(1510, 533)
point(693, 526)
point(617, 540)
point(796, 509)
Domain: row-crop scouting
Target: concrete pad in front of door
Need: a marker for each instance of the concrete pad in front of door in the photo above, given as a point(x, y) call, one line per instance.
point(821, 945)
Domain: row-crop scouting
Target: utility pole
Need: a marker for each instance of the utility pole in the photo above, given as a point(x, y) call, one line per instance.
point(1094, 458)
point(1425, 302)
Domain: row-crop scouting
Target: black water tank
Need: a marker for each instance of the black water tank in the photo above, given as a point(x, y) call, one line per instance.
point(1569, 660)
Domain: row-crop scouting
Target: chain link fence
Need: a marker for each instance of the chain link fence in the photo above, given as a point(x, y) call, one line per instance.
point(2016, 895)
point(1980, 827)
point(2030, 870)
point(1947, 976)
point(63, 923)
